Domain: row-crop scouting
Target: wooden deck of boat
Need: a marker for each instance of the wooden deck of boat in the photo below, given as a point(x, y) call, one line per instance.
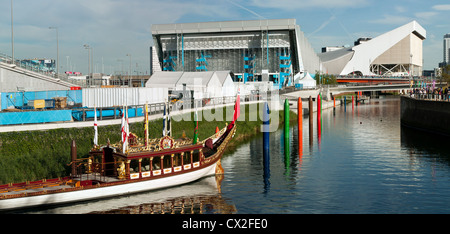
point(103, 179)
point(34, 187)
point(34, 190)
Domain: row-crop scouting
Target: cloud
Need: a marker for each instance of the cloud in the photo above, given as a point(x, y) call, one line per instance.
point(392, 20)
point(248, 10)
point(400, 9)
point(323, 25)
point(427, 15)
point(304, 4)
point(443, 7)
point(113, 28)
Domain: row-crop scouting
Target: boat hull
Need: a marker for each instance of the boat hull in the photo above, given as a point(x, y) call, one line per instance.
point(106, 191)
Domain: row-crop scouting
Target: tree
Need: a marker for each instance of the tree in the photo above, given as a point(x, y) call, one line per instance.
point(446, 73)
point(326, 78)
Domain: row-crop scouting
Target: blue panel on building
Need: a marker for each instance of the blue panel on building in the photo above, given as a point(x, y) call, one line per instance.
point(89, 114)
point(30, 117)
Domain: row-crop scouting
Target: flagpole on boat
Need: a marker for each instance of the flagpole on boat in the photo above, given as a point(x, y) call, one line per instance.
point(127, 129)
point(95, 127)
point(164, 122)
point(146, 124)
point(169, 122)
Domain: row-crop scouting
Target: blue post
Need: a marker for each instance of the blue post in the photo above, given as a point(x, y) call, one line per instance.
point(345, 104)
point(266, 146)
point(266, 124)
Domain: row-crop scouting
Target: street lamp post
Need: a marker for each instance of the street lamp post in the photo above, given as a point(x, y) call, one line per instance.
point(12, 32)
point(57, 51)
point(129, 73)
point(89, 61)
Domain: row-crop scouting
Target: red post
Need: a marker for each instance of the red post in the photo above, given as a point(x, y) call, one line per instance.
point(318, 106)
point(300, 126)
point(352, 102)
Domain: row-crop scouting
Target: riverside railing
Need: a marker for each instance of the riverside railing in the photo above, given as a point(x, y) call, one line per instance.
point(87, 114)
point(434, 95)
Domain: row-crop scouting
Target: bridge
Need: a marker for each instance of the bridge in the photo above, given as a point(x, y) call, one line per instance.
point(368, 88)
point(374, 79)
point(340, 89)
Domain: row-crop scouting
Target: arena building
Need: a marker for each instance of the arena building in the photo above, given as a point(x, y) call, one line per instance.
point(394, 53)
point(254, 50)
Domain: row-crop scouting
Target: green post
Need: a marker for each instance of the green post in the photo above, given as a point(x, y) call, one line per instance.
point(321, 100)
point(196, 128)
point(286, 135)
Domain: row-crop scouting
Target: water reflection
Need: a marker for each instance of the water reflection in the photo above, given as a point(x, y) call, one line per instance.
point(358, 165)
point(199, 197)
point(420, 144)
point(191, 204)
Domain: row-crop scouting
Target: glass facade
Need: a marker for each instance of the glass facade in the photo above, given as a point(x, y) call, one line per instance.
point(246, 54)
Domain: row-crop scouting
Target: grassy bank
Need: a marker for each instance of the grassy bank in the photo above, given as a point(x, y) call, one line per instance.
point(34, 155)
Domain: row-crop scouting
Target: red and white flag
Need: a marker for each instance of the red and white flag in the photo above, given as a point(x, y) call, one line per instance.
point(95, 127)
point(237, 108)
point(125, 129)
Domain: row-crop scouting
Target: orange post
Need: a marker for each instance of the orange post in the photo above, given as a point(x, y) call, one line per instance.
point(300, 110)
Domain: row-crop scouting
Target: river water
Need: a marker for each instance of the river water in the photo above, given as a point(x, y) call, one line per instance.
point(362, 161)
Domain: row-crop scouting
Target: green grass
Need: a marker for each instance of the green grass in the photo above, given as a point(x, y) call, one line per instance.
point(34, 155)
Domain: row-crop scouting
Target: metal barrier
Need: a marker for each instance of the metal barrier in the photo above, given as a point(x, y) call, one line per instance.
point(85, 114)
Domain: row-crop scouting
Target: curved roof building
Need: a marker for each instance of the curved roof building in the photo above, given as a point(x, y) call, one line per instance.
point(253, 50)
point(394, 53)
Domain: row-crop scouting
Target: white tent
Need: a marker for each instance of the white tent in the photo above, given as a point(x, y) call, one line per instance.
point(307, 81)
point(205, 84)
point(228, 88)
point(164, 79)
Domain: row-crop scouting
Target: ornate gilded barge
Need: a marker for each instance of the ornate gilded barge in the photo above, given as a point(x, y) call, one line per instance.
point(115, 169)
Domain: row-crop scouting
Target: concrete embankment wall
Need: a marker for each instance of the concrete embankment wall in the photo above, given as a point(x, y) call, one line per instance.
point(427, 115)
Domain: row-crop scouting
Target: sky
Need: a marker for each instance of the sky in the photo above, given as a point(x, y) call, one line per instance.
point(115, 28)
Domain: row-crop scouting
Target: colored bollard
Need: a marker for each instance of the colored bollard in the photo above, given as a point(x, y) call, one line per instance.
point(353, 103)
point(300, 112)
point(266, 125)
point(310, 106)
point(300, 127)
point(266, 145)
point(334, 106)
point(345, 104)
point(286, 134)
point(318, 106)
point(286, 119)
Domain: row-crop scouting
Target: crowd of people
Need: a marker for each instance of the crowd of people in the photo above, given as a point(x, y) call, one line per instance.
point(439, 93)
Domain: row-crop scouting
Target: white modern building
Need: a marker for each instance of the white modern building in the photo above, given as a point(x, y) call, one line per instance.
point(446, 49)
point(394, 53)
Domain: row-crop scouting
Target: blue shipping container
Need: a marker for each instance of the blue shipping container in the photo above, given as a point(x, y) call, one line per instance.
point(31, 117)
